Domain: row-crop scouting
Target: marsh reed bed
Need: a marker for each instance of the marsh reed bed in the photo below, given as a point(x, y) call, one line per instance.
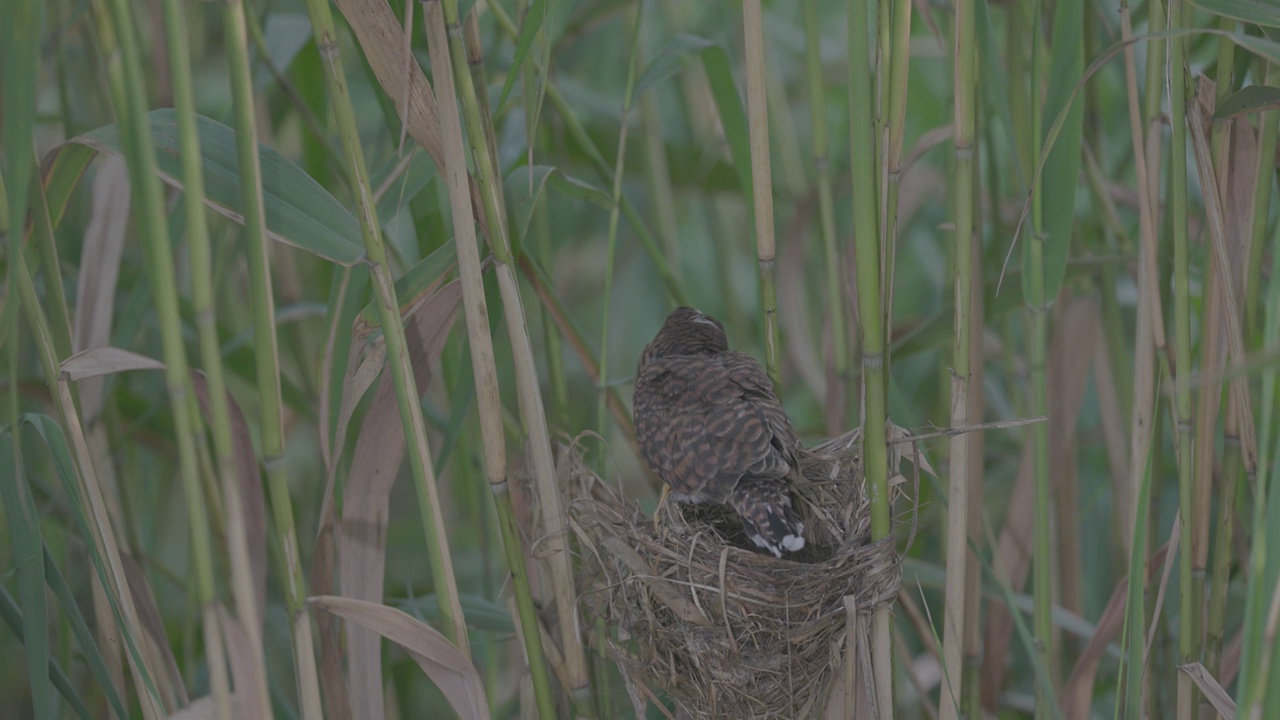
point(319, 322)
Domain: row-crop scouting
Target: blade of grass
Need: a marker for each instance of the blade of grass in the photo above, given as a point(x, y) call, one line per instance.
point(1062, 165)
point(28, 561)
point(530, 24)
point(13, 617)
point(1129, 704)
point(1268, 129)
point(298, 211)
point(20, 32)
point(79, 481)
point(80, 629)
point(19, 61)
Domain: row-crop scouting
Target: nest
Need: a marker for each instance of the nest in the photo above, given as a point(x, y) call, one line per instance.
point(725, 630)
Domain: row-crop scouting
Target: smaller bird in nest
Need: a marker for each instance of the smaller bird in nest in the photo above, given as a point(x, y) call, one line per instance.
point(712, 428)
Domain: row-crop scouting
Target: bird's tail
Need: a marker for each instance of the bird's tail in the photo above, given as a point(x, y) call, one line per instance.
point(767, 515)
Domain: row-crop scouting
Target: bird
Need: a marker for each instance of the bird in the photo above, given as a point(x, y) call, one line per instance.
point(711, 427)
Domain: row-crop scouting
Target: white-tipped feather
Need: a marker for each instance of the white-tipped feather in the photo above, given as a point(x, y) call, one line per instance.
point(762, 543)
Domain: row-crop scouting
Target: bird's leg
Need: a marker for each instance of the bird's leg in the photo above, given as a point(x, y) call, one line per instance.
point(662, 500)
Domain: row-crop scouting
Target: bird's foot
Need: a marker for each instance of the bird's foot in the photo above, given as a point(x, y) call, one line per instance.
point(662, 501)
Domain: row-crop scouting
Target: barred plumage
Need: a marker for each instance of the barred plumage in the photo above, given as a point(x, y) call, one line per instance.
point(711, 427)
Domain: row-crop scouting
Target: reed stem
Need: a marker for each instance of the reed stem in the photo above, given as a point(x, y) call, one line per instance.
point(958, 495)
point(554, 544)
point(868, 253)
point(407, 393)
point(242, 582)
point(762, 183)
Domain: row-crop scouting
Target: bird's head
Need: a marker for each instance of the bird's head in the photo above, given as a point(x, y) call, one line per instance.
point(686, 332)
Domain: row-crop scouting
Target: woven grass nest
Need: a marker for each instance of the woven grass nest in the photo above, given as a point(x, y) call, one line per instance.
point(724, 630)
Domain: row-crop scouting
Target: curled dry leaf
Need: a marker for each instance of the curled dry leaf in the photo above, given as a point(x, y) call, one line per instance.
point(439, 659)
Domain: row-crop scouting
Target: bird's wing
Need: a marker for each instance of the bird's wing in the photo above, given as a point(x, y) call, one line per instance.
point(706, 422)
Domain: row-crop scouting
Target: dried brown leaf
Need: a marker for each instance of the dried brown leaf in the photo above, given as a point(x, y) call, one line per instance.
point(155, 642)
point(1113, 433)
point(439, 659)
point(100, 268)
point(381, 36)
point(366, 358)
point(794, 283)
point(379, 451)
point(99, 361)
point(1213, 692)
point(1077, 692)
point(1074, 338)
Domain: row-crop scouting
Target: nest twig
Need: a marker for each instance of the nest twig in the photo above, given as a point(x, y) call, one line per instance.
point(725, 630)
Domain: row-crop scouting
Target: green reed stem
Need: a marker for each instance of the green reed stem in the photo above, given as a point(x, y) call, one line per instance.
point(958, 499)
point(762, 183)
point(1038, 434)
point(1232, 463)
point(267, 362)
point(150, 211)
point(407, 393)
point(1257, 692)
point(532, 412)
point(242, 583)
point(870, 307)
point(441, 20)
point(1188, 630)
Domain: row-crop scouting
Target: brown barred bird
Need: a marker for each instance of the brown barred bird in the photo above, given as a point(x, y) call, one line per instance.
point(711, 427)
